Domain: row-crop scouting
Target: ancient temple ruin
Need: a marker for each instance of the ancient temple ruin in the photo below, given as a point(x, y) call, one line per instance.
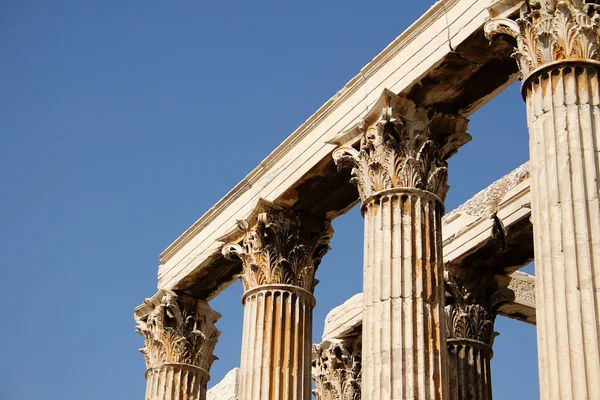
point(434, 282)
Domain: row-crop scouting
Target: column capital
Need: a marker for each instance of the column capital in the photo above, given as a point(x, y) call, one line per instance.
point(278, 246)
point(548, 31)
point(400, 145)
point(472, 302)
point(177, 329)
point(336, 370)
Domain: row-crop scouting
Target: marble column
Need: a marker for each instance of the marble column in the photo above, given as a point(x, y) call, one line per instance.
point(472, 302)
point(280, 251)
point(179, 338)
point(398, 159)
point(557, 50)
point(336, 370)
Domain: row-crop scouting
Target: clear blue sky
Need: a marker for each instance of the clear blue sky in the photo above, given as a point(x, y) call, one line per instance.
point(122, 122)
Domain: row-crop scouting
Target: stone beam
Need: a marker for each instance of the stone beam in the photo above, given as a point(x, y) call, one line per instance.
point(346, 320)
point(300, 173)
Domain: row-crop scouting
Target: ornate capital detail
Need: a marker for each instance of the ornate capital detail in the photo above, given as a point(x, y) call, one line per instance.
point(472, 301)
point(551, 30)
point(278, 246)
point(336, 371)
point(177, 330)
point(400, 145)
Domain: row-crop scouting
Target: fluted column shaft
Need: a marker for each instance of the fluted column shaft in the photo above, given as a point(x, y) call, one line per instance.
point(176, 382)
point(403, 337)
point(563, 112)
point(276, 344)
point(557, 49)
point(469, 369)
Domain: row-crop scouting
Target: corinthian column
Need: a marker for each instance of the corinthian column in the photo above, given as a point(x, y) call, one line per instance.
point(557, 49)
point(471, 309)
point(401, 173)
point(337, 371)
point(179, 339)
point(280, 252)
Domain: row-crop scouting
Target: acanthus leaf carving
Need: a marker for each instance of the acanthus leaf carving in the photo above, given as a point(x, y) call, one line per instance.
point(337, 370)
point(472, 303)
point(406, 146)
point(547, 31)
point(179, 330)
point(278, 246)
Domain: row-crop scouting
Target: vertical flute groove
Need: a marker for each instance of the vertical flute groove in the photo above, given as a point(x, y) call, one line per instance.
point(279, 359)
point(470, 375)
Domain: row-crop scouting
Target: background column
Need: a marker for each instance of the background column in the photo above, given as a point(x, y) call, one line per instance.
point(558, 51)
point(471, 309)
point(280, 252)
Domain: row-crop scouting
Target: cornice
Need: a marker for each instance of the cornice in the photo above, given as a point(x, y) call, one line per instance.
point(437, 11)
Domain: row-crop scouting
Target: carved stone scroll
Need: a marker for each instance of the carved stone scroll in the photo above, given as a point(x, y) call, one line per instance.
point(278, 247)
point(179, 338)
point(337, 370)
point(407, 147)
point(550, 31)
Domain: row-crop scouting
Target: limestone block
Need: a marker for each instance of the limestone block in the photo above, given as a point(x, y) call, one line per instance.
point(227, 389)
point(343, 319)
